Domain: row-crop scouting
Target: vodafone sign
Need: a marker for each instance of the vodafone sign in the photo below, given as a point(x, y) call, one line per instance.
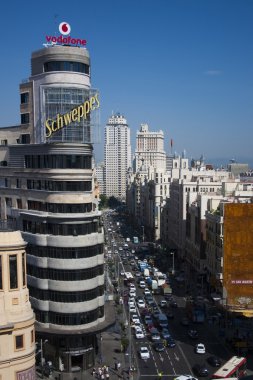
point(65, 38)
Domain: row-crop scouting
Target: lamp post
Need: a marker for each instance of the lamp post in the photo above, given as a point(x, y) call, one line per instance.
point(173, 262)
point(41, 355)
point(143, 236)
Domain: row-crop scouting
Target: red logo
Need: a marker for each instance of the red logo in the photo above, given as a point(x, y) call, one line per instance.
point(64, 28)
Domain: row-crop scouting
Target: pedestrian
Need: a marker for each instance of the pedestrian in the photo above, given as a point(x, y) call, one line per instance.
point(100, 372)
point(102, 377)
point(160, 375)
point(106, 369)
point(93, 372)
point(118, 366)
point(107, 376)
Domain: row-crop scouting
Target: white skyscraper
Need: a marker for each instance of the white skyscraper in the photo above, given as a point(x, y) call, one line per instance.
point(117, 156)
point(149, 149)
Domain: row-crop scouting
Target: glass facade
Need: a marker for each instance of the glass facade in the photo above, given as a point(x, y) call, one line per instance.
point(60, 101)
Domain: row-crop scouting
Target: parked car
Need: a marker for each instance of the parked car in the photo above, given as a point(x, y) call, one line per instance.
point(200, 370)
point(144, 353)
point(214, 361)
point(200, 348)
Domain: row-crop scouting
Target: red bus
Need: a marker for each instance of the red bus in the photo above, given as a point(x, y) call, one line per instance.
point(234, 367)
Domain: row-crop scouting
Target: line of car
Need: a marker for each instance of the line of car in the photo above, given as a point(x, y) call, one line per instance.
point(146, 323)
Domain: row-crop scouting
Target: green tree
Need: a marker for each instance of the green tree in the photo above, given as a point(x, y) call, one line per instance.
point(103, 202)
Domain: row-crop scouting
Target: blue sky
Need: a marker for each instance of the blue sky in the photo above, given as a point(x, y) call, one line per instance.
point(183, 66)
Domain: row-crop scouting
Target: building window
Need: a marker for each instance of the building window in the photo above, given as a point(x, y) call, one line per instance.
point(4, 142)
point(19, 342)
point(24, 98)
point(13, 268)
point(8, 202)
point(25, 138)
point(23, 269)
point(32, 336)
point(19, 203)
point(66, 66)
point(25, 118)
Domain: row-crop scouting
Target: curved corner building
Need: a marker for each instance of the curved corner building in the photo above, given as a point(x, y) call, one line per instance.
point(49, 188)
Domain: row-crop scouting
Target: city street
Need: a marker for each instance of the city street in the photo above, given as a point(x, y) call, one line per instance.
point(172, 362)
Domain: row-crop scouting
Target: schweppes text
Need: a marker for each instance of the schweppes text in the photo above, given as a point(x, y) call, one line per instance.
point(75, 115)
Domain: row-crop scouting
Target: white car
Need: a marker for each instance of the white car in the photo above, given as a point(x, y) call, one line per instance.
point(141, 304)
point(146, 291)
point(144, 353)
point(139, 333)
point(185, 377)
point(132, 287)
point(132, 309)
point(142, 284)
point(131, 302)
point(135, 318)
point(200, 348)
point(132, 293)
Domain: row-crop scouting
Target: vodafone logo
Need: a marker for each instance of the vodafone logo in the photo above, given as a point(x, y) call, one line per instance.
point(64, 28)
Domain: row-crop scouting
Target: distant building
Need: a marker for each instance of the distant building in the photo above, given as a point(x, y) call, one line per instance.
point(149, 149)
point(117, 156)
point(236, 168)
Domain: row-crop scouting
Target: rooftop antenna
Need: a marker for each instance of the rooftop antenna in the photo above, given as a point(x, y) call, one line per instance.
point(55, 22)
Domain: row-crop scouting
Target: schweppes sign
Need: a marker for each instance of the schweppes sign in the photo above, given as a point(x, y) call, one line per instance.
point(75, 115)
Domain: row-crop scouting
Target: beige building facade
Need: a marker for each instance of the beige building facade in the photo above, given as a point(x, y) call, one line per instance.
point(17, 332)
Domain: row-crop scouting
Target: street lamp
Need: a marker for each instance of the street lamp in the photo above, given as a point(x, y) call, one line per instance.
point(41, 354)
point(173, 262)
point(142, 233)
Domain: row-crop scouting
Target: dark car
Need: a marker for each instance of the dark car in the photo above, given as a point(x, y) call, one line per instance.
point(159, 347)
point(173, 303)
point(170, 342)
point(193, 334)
point(200, 370)
point(214, 361)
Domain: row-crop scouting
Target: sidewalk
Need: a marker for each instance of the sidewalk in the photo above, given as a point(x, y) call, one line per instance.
point(111, 354)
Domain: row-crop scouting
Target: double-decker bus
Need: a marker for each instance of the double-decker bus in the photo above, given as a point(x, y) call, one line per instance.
point(234, 367)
